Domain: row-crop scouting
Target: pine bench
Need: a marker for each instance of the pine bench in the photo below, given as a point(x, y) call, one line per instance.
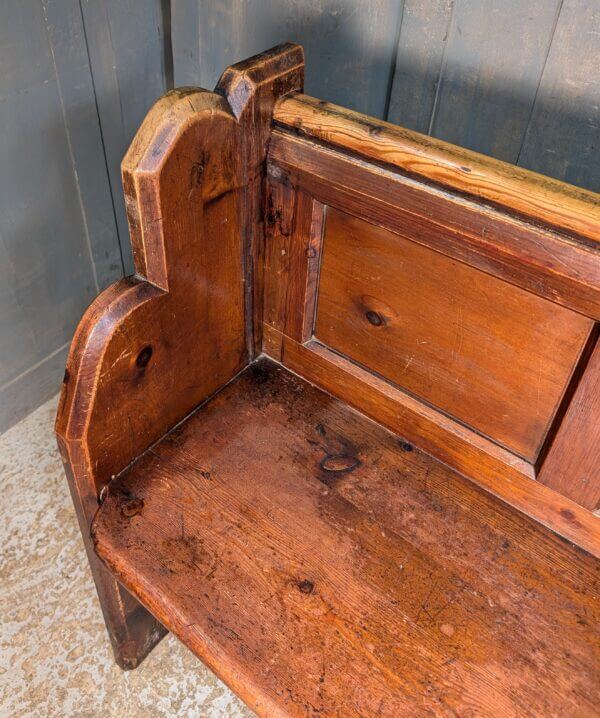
point(340, 432)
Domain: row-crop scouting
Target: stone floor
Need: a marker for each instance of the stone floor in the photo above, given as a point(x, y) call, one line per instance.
point(55, 659)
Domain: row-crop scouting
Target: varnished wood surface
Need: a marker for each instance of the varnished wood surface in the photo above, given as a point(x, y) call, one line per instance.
point(323, 566)
point(572, 466)
point(489, 465)
point(207, 531)
point(489, 354)
point(153, 346)
point(543, 258)
point(535, 196)
point(533, 257)
point(132, 371)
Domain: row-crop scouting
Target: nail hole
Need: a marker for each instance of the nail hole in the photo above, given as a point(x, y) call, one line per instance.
point(405, 446)
point(306, 586)
point(144, 356)
point(374, 318)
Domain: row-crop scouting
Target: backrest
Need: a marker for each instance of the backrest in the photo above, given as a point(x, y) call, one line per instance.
point(452, 297)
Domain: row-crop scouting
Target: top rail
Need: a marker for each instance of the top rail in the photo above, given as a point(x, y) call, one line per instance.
point(557, 204)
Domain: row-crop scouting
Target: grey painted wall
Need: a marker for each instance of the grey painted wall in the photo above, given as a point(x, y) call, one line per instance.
point(517, 80)
point(76, 79)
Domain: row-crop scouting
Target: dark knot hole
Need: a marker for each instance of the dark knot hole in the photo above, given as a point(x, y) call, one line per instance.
point(144, 357)
point(374, 318)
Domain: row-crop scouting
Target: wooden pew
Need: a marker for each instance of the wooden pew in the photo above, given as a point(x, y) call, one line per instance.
point(340, 433)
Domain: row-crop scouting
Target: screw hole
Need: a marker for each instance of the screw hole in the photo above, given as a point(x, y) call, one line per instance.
point(306, 586)
point(144, 357)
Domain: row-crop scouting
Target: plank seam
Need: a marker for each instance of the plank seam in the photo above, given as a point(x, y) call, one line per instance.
point(537, 89)
point(443, 65)
point(102, 140)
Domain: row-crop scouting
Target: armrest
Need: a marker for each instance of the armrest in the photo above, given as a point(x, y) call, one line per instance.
point(152, 347)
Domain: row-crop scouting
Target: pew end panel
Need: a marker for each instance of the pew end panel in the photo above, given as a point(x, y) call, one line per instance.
point(154, 346)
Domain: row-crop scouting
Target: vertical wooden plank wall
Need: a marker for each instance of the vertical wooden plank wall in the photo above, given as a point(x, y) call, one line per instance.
point(51, 260)
point(126, 43)
point(76, 80)
point(516, 80)
point(562, 138)
point(349, 44)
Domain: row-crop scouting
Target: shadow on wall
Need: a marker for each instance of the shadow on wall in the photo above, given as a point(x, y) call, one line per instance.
point(520, 97)
point(550, 133)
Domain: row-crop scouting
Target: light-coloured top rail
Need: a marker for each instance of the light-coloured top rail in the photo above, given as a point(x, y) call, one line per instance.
point(539, 198)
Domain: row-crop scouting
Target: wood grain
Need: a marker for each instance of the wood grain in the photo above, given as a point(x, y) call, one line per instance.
point(497, 470)
point(545, 262)
point(534, 196)
point(150, 348)
point(292, 261)
point(251, 88)
point(320, 565)
point(493, 356)
point(572, 466)
point(539, 260)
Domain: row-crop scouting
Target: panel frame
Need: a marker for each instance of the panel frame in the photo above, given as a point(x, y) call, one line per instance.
point(328, 156)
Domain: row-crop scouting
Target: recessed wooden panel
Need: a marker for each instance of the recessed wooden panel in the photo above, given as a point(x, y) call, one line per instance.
point(484, 351)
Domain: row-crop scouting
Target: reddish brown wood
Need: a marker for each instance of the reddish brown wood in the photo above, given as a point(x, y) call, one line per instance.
point(323, 566)
point(569, 208)
point(317, 562)
point(280, 219)
point(305, 251)
point(539, 260)
point(251, 88)
point(404, 187)
point(293, 261)
point(490, 354)
point(150, 349)
point(503, 474)
point(572, 466)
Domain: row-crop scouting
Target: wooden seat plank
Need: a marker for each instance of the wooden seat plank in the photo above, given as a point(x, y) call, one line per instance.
point(323, 566)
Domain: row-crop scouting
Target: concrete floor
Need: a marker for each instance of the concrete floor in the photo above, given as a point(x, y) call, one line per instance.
point(55, 659)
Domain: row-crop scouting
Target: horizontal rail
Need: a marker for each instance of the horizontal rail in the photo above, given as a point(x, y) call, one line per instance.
point(537, 197)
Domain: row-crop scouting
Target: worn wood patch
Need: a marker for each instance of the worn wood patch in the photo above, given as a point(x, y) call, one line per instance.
point(321, 565)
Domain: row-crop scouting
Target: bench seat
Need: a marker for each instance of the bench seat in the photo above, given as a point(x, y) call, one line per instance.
point(323, 566)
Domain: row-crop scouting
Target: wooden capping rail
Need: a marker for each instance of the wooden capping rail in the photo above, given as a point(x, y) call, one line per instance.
point(537, 197)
